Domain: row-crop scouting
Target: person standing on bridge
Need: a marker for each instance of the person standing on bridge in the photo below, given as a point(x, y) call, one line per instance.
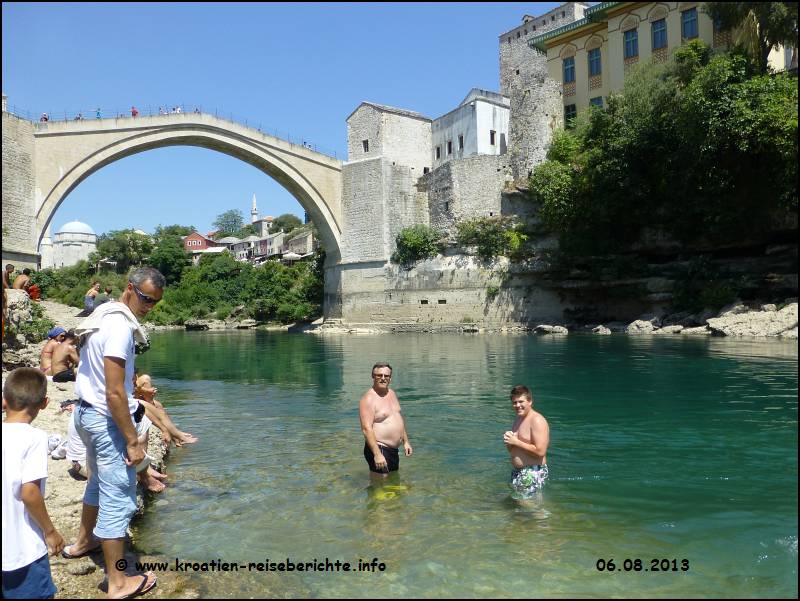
point(134, 112)
point(97, 113)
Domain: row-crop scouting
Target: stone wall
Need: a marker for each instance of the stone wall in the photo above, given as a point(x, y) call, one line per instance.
point(18, 192)
point(516, 56)
point(465, 189)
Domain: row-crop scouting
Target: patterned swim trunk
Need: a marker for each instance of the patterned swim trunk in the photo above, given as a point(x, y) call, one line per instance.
point(527, 481)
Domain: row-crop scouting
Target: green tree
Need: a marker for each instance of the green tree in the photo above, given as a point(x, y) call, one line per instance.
point(126, 247)
point(170, 257)
point(699, 149)
point(286, 222)
point(229, 222)
point(760, 26)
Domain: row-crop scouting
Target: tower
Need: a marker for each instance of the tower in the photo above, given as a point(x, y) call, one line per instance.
point(254, 211)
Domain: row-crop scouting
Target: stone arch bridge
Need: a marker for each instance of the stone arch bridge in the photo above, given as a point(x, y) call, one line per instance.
point(60, 155)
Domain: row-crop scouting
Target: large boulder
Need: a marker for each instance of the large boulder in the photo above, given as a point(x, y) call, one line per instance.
point(554, 330)
point(19, 307)
point(601, 329)
point(755, 323)
point(640, 326)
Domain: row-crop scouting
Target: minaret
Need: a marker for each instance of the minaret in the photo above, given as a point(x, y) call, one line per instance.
point(254, 210)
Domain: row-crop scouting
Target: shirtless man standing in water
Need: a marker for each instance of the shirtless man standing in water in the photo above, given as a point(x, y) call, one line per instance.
point(527, 444)
point(382, 423)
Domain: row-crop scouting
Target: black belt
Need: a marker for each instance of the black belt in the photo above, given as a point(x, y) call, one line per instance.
point(137, 415)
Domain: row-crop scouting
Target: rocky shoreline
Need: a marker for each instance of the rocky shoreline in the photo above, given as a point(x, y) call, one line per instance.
point(738, 320)
point(80, 578)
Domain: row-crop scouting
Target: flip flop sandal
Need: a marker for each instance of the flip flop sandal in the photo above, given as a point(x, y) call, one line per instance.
point(141, 590)
point(66, 555)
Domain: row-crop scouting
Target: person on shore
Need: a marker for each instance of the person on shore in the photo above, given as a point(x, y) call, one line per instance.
point(88, 299)
point(7, 275)
point(146, 392)
point(103, 297)
point(105, 422)
point(65, 359)
point(54, 338)
point(28, 533)
point(527, 443)
point(382, 424)
point(23, 282)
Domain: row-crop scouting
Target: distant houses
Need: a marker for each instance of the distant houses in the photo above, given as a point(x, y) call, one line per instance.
point(254, 249)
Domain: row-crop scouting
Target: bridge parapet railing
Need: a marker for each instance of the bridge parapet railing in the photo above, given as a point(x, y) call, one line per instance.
point(93, 115)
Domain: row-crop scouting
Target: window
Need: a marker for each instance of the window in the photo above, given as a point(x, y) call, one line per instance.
point(423, 302)
point(659, 29)
point(461, 142)
point(631, 43)
point(519, 34)
point(442, 301)
point(449, 147)
point(438, 152)
point(365, 144)
point(491, 136)
point(552, 18)
point(426, 170)
point(594, 62)
point(569, 69)
point(570, 112)
point(563, 14)
point(447, 205)
point(689, 24)
point(596, 101)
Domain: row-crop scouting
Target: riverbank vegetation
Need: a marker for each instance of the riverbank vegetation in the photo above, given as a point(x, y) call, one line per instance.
point(702, 150)
point(214, 288)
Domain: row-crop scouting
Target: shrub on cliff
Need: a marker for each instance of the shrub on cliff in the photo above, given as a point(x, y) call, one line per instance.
point(493, 236)
point(416, 243)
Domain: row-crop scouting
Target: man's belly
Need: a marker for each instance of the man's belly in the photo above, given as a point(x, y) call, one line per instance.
point(521, 458)
point(390, 431)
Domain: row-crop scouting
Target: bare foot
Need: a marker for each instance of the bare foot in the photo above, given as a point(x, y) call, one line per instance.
point(152, 484)
point(134, 586)
point(187, 438)
point(155, 473)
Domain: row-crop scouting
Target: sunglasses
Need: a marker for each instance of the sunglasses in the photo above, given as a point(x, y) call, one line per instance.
point(147, 300)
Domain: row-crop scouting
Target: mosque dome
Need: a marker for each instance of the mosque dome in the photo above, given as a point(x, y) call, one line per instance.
point(76, 227)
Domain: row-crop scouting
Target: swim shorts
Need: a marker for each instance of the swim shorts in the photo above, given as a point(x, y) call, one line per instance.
point(527, 481)
point(391, 455)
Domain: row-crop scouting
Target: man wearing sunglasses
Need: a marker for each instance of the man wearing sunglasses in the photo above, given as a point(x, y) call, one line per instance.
point(382, 424)
point(105, 422)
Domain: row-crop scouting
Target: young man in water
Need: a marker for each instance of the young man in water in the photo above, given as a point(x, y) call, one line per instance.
point(527, 445)
point(382, 423)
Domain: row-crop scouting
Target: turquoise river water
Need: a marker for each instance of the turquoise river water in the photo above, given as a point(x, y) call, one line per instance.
point(662, 450)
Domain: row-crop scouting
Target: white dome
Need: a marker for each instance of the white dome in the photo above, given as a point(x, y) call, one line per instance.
point(76, 227)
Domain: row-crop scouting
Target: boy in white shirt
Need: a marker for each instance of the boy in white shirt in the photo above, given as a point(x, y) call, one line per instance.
point(28, 533)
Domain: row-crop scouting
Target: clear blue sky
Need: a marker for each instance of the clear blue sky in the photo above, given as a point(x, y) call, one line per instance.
point(297, 68)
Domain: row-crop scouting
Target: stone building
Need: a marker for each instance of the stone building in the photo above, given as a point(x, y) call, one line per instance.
point(589, 58)
point(302, 244)
point(73, 242)
point(479, 125)
point(536, 107)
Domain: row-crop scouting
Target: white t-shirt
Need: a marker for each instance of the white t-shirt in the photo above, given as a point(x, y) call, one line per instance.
point(113, 339)
point(24, 460)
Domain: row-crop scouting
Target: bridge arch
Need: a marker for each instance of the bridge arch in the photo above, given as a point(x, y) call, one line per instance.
point(69, 152)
